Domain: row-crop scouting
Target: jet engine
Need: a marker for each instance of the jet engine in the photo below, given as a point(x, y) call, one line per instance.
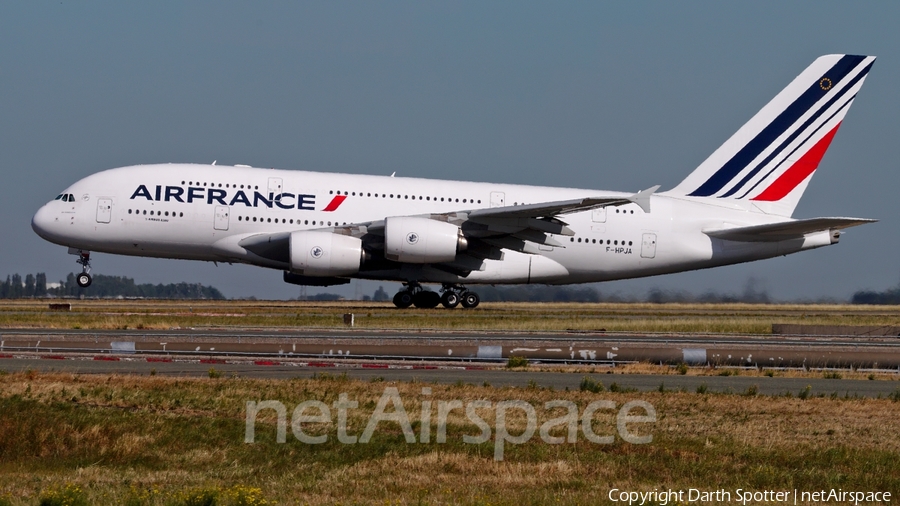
point(318, 253)
point(421, 240)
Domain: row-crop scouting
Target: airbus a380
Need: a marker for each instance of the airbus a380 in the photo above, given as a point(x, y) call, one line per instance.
point(323, 229)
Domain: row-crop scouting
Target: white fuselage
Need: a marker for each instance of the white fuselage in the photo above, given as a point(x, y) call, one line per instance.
point(202, 212)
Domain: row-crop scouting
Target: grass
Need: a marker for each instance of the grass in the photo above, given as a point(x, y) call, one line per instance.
point(526, 317)
point(159, 441)
point(589, 384)
point(516, 362)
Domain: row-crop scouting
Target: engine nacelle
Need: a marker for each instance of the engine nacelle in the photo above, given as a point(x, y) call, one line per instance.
point(316, 253)
point(421, 240)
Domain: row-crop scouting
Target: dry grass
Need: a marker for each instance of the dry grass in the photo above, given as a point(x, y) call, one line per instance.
point(114, 435)
point(750, 372)
point(526, 317)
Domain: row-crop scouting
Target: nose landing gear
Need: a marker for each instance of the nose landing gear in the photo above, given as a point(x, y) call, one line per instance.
point(84, 279)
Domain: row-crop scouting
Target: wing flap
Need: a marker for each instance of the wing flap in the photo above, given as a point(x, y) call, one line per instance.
point(785, 230)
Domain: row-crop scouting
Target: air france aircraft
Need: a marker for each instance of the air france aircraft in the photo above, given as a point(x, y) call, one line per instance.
point(323, 229)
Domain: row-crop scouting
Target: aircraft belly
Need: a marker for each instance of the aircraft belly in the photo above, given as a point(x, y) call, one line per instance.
point(516, 268)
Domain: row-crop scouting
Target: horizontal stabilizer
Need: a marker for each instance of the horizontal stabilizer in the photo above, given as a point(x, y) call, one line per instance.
point(785, 230)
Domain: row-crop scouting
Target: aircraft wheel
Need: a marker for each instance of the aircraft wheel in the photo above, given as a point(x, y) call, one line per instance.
point(470, 300)
point(83, 280)
point(426, 299)
point(450, 299)
point(403, 299)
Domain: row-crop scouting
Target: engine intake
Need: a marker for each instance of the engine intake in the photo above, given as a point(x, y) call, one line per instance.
point(318, 253)
point(421, 240)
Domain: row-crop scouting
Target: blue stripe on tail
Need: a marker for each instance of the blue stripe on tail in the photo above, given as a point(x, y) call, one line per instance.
point(767, 136)
point(799, 131)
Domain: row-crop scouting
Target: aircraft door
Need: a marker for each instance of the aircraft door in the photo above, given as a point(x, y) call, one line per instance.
point(598, 215)
point(498, 199)
point(275, 186)
point(104, 210)
point(221, 220)
point(648, 246)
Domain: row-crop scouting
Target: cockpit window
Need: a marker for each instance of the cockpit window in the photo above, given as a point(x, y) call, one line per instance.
point(59, 196)
point(71, 198)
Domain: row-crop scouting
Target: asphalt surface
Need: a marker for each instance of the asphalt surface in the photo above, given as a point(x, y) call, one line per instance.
point(881, 352)
point(357, 334)
point(459, 374)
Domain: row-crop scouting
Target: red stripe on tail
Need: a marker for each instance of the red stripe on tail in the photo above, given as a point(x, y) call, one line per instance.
point(801, 169)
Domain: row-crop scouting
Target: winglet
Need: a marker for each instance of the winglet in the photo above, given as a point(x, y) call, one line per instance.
point(642, 198)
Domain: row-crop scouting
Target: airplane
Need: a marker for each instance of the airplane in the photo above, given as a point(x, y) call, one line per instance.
point(323, 229)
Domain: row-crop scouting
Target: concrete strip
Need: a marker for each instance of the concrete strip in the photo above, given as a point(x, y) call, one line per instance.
point(761, 355)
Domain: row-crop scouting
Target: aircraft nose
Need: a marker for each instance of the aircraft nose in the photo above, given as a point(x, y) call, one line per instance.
point(44, 221)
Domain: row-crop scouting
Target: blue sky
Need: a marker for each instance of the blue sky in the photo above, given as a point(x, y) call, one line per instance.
point(616, 96)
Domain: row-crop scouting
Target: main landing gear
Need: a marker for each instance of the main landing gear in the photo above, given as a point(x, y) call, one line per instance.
point(451, 296)
point(84, 279)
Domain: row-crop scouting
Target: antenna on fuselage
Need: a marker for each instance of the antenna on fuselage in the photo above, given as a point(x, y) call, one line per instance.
point(393, 173)
point(214, 162)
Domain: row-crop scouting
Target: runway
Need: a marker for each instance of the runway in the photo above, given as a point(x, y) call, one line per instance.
point(497, 377)
point(599, 348)
point(457, 357)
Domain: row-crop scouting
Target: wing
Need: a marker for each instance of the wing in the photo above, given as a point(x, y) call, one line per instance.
point(487, 232)
point(522, 228)
point(785, 230)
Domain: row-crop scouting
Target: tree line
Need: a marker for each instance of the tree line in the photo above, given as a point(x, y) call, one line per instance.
point(36, 286)
point(890, 296)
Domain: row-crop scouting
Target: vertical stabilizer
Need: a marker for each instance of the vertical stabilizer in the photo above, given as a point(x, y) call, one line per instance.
point(771, 159)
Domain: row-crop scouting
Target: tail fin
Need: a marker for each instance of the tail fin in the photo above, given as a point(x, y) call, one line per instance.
point(771, 159)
